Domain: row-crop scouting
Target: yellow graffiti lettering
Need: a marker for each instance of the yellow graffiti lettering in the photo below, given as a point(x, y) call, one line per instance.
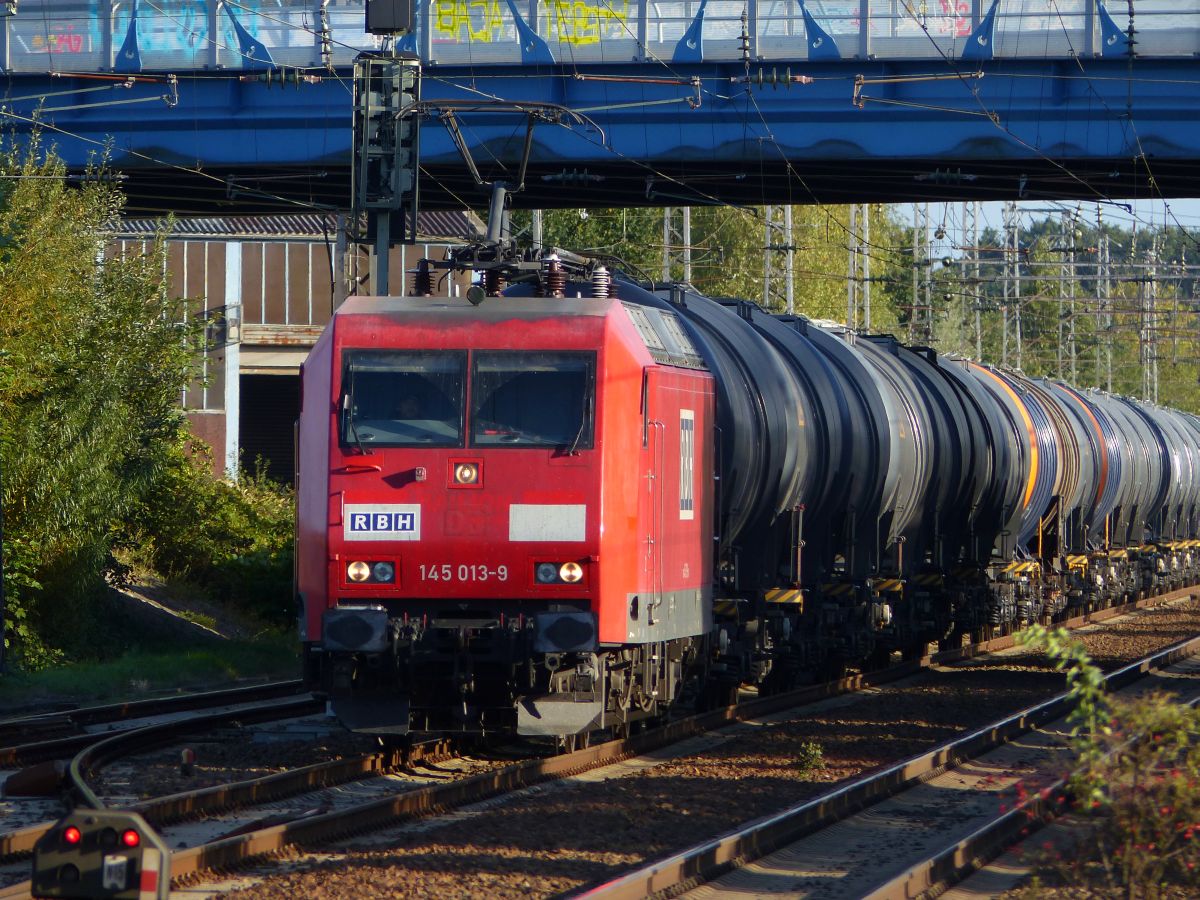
point(472, 20)
point(566, 21)
point(578, 23)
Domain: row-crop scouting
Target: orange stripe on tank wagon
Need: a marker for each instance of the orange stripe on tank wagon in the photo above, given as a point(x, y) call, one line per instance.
point(1033, 447)
point(1102, 446)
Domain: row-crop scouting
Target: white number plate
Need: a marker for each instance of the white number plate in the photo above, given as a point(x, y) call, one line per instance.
point(115, 874)
point(463, 572)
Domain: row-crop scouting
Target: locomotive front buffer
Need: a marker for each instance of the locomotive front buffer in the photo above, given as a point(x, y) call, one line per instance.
point(102, 853)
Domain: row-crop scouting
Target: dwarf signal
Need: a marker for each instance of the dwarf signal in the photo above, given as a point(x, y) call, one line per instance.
point(102, 853)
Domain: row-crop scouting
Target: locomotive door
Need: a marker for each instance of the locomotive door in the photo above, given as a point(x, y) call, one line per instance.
point(651, 506)
point(677, 408)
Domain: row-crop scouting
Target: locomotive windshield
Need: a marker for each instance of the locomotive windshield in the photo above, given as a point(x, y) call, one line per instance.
point(402, 399)
point(532, 399)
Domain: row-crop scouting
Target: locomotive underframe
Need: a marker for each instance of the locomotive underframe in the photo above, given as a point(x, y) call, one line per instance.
point(472, 671)
point(778, 646)
point(476, 671)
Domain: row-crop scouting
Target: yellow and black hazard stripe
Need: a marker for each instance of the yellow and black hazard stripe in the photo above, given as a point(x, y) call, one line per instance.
point(837, 590)
point(1018, 568)
point(929, 579)
point(888, 585)
point(1077, 562)
point(791, 596)
point(725, 607)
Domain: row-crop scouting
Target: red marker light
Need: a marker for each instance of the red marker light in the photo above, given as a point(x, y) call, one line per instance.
point(71, 835)
point(130, 838)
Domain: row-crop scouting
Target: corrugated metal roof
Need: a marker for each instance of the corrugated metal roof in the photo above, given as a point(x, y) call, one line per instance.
point(447, 226)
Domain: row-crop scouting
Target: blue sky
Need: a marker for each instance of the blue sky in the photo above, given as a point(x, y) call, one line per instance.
point(1183, 213)
point(1157, 213)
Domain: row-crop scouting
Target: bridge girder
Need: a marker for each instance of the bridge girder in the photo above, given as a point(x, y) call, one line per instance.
point(638, 135)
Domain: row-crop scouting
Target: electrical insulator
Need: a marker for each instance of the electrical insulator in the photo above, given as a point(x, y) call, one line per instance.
point(422, 280)
point(554, 279)
point(494, 281)
point(601, 283)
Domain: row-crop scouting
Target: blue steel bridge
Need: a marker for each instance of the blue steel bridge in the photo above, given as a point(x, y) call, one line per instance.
point(245, 105)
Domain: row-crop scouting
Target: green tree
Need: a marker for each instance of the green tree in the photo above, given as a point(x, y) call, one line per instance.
point(728, 246)
point(92, 363)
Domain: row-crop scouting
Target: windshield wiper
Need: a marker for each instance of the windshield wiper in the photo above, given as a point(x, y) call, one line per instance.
point(583, 421)
point(348, 411)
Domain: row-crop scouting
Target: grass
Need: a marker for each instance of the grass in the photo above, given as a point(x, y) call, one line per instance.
point(198, 618)
point(139, 674)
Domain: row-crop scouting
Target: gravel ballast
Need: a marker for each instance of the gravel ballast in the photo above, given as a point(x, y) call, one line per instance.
point(563, 836)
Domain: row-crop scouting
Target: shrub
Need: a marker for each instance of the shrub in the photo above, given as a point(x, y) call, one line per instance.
point(1137, 781)
point(810, 757)
point(92, 363)
point(234, 539)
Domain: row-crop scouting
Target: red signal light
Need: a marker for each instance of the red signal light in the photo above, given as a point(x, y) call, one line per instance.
point(130, 838)
point(71, 835)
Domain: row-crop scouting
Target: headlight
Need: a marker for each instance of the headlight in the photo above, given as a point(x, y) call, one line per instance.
point(371, 571)
point(557, 573)
point(466, 473)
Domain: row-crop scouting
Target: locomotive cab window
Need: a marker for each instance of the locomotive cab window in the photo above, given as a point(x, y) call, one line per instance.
point(402, 399)
point(531, 399)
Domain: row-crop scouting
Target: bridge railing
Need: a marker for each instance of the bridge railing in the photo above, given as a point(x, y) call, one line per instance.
point(132, 35)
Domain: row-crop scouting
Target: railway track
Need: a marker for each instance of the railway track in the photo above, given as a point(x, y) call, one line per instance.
point(316, 826)
point(889, 835)
point(88, 750)
point(386, 810)
point(29, 739)
point(99, 753)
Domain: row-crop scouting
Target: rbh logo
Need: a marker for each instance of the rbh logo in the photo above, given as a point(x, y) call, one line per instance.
point(382, 522)
point(404, 522)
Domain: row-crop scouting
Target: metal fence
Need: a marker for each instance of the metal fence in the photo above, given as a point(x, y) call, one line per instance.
point(175, 35)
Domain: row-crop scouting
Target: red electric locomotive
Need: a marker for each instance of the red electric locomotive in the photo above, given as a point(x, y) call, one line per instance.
point(472, 555)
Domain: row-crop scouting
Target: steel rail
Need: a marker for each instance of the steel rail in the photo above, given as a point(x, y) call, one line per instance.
point(385, 811)
point(964, 857)
point(57, 748)
point(100, 753)
point(177, 806)
point(236, 795)
point(378, 813)
point(710, 859)
point(230, 851)
point(1092, 618)
point(968, 855)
